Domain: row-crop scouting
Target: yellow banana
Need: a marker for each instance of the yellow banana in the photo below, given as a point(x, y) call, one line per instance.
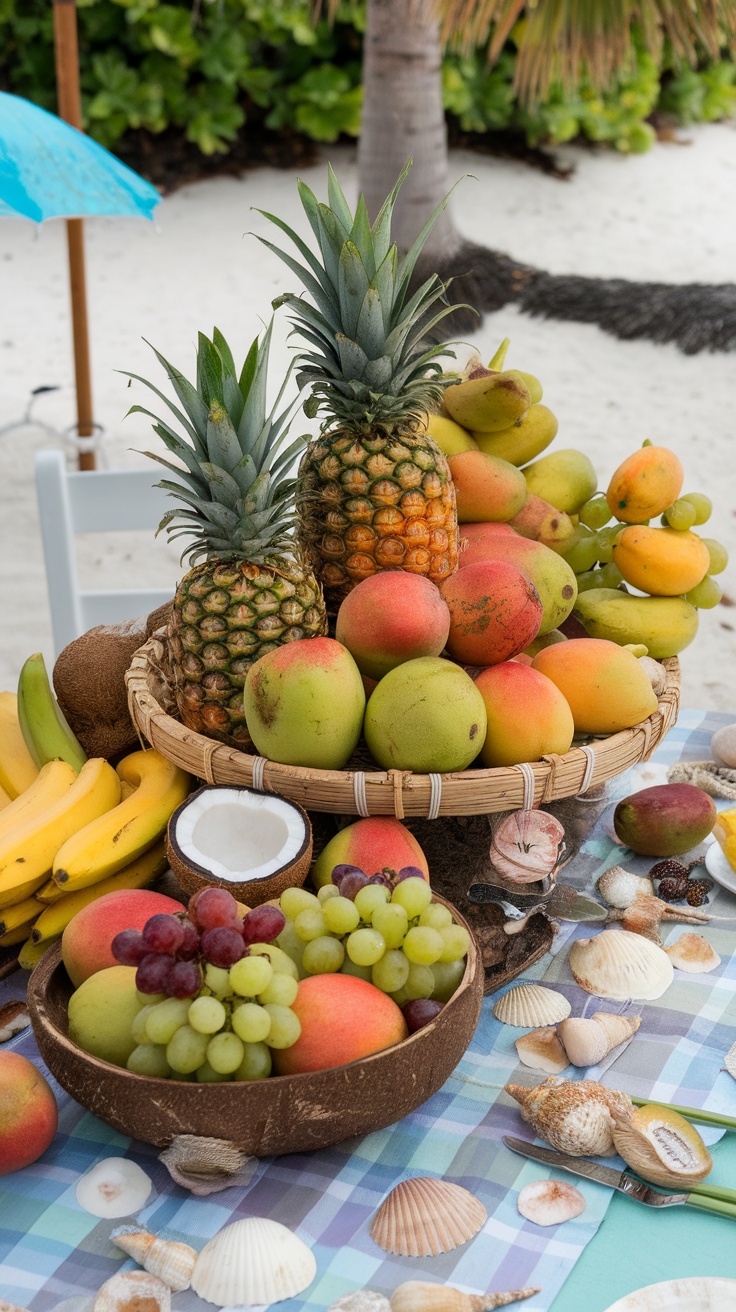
point(50, 784)
point(115, 839)
point(49, 893)
point(31, 953)
point(20, 914)
point(17, 935)
point(27, 851)
point(5, 799)
point(17, 768)
point(55, 917)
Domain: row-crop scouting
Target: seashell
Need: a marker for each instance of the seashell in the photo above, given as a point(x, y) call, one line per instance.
point(420, 1296)
point(619, 887)
point(361, 1300)
point(729, 1061)
point(529, 1005)
point(655, 674)
point(204, 1166)
point(574, 1116)
point(620, 965)
point(526, 846)
point(11, 1307)
point(172, 1262)
point(423, 1217)
point(13, 1018)
point(541, 1049)
point(113, 1188)
point(550, 1202)
point(587, 1042)
point(723, 746)
point(130, 1291)
point(661, 1146)
point(253, 1261)
point(694, 954)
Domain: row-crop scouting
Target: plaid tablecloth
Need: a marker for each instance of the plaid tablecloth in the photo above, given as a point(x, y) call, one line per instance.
point(53, 1255)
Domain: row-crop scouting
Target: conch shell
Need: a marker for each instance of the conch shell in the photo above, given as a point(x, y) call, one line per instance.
point(574, 1116)
point(526, 846)
point(171, 1261)
point(661, 1146)
point(620, 965)
point(619, 887)
point(541, 1049)
point(420, 1296)
point(587, 1042)
point(133, 1289)
point(423, 1217)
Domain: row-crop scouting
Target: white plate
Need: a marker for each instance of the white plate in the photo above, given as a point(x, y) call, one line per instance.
point(694, 1294)
point(720, 868)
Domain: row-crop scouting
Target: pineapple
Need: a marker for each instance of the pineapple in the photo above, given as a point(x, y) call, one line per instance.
point(252, 588)
point(374, 490)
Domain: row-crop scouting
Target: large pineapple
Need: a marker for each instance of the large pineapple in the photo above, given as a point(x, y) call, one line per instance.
point(374, 490)
point(253, 590)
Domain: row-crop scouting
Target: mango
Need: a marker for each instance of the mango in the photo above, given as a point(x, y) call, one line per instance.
point(565, 478)
point(645, 484)
point(494, 612)
point(472, 532)
point(486, 488)
point(550, 574)
point(664, 625)
point(426, 715)
point(524, 440)
point(101, 1012)
point(304, 704)
point(665, 820)
point(392, 617)
point(604, 685)
point(371, 844)
point(665, 562)
point(342, 1019)
point(541, 522)
point(527, 715)
point(535, 387)
point(449, 436)
point(490, 402)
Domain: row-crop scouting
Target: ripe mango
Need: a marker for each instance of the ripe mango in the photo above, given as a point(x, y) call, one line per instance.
point(541, 522)
point(527, 715)
point(425, 715)
point(550, 574)
point(488, 403)
point(666, 820)
point(604, 686)
point(524, 440)
point(665, 562)
point(486, 488)
point(565, 478)
point(645, 484)
point(664, 625)
point(449, 436)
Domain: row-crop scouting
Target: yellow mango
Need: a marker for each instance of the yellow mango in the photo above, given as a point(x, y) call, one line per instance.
point(665, 562)
point(489, 402)
point(645, 484)
point(522, 441)
point(565, 478)
point(604, 686)
point(664, 625)
point(449, 436)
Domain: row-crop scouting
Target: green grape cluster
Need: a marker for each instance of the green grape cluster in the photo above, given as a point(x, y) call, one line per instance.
point(396, 938)
point(227, 1031)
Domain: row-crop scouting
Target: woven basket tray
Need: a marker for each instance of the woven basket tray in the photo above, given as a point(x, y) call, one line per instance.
point(355, 791)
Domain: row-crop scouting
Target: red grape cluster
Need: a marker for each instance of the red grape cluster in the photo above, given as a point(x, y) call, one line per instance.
point(170, 951)
point(349, 879)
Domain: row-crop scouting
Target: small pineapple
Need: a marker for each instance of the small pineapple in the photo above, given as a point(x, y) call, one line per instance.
point(253, 590)
point(374, 490)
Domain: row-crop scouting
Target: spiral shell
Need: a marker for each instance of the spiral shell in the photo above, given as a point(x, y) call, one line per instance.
point(171, 1261)
point(423, 1217)
point(529, 1005)
point(617, 964)
point(587, 1042)
point(253, 1261)
point(133, 1289)
point(574, 1116)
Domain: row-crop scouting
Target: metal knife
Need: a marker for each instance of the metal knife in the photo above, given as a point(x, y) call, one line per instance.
point(564, 903)
point(709, 1198)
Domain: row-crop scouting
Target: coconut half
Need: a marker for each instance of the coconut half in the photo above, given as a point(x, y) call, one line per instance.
point(253, 844)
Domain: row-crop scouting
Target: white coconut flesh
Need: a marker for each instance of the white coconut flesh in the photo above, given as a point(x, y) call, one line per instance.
point(236, 835)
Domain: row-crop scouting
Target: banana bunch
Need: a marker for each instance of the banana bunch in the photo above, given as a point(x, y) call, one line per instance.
point(71, 829)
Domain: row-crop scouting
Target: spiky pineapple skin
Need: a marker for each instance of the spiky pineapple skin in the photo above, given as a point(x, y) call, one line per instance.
point(227, 614)
point(373, 501)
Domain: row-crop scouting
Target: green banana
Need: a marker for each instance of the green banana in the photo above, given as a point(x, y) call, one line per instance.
point(47, 734)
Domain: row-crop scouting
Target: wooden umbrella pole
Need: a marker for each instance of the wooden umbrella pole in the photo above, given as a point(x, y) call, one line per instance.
point(70, 109)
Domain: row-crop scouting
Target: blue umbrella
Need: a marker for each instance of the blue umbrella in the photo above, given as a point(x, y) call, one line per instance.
point(50, 170)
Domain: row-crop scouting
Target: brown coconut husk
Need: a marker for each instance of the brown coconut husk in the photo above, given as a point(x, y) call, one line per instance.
point(90, 685)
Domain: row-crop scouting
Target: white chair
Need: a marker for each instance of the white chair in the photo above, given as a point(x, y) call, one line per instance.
point(92, 502)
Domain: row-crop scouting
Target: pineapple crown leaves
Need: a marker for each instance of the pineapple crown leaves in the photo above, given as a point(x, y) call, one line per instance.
point(235, 493)
point(368, 362)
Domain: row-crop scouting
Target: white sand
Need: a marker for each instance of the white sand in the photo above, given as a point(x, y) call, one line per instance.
point(667, 215)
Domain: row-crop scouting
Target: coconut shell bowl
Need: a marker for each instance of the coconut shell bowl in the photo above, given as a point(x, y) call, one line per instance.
point(282, 1114)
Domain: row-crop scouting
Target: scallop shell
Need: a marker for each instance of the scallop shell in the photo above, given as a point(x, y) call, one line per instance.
point(526, 846)
point(253, 1261)
point(423, 1217)
point(529, 1005)
point(171, 1261)
point(550, 1202)
point(694, 954)
point(574, 1116)
point(133, 1289)
point(617, 964)
point(620, 888)
point(541, 1049)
